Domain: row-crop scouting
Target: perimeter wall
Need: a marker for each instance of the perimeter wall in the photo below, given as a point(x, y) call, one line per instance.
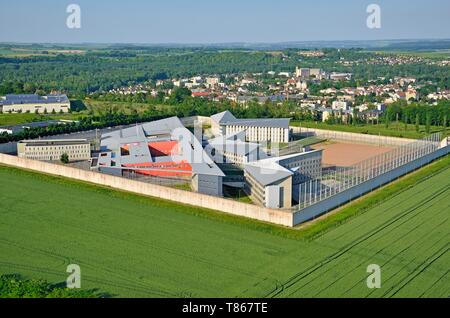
point(351, 137)
point(191, 198)
point(345, 196)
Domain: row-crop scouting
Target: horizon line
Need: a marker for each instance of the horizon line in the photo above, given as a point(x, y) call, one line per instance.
point(227, 42)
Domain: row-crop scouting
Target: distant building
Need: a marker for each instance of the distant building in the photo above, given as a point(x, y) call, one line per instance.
point(341, 76)
point(256, 130)
point(340, 105)
point(303, 73)
point(33, 103)
point(311, 53)
point(200, 93)
point(317, 72)
point(212, 81)
point(52, 150)
point(285, 74)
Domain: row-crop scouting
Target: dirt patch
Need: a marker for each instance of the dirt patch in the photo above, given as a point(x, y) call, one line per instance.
point(346, 154)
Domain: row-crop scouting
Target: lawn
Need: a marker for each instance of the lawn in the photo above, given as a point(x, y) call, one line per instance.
point(394, 129)
point(14, 119)
point(101, 107)
point(128, 245)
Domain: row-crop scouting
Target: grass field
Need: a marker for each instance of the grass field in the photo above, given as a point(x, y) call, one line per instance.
point(436, 54)
point(14, 119)
point(129, 245)
point(394, 129)
point(101, 107)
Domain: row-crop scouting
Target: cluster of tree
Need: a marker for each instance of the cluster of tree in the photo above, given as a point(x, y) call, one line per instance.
point(418, 113)
point(105, 69)
point(14, 286)
point(86, 123)
point(17, 87)
point(181, 104)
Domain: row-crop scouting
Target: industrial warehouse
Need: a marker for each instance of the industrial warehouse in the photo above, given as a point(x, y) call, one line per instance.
point(33, 103)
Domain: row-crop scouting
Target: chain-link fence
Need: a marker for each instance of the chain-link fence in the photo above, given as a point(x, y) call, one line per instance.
point(334, 181)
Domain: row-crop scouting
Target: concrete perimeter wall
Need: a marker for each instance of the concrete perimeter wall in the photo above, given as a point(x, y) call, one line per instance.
point(196, 199)
point(326, 205)
point(352, 137)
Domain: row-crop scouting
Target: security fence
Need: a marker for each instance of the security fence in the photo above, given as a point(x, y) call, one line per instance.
point(349, 137)
point(339, 179)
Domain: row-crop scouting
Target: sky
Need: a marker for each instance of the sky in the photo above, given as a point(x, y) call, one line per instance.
point(220, 21)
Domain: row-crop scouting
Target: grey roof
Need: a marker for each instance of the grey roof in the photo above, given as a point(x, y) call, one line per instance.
point(227, 118)
point(237, 147)
point(267, 175)
point(233, 143)
point(21, 99)
point(55, 142)
point(163, 126)
point(270, 170)
point(222, 117)
point(138, 137)
point(261, 122)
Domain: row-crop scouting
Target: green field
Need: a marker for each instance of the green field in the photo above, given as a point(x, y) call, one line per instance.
point(128, 245)
point(96, 107)
point(14, 119)
point(394, 129)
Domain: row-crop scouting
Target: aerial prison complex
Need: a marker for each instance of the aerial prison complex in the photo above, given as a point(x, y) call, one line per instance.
point(167, 149)
point(230, 157)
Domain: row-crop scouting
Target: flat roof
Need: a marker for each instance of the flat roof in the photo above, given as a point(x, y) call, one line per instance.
point(261, 122)
point(56, 142)
point(270, 170)
point(227, 118)
point(23, 99)
point(138, 137)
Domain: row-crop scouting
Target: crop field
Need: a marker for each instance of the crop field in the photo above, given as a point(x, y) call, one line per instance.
point(128, 245)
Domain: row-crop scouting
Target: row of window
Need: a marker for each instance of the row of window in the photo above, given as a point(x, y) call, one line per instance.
point(56, 157)
point(59, 147)
point(56, 152)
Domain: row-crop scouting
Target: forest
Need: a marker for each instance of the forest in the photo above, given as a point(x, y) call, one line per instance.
point(104, 69)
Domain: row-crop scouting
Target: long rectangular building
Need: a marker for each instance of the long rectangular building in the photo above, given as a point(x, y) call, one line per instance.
point(259, 130)
point(273, 182)
point(33, 103)
point(52, 150)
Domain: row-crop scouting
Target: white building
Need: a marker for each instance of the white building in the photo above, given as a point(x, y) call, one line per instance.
point(52, 150)
point(212, 81)
point(33, 103)
point(304, 73)
point(256, 130)
point(234, 149)
point(340, 105)
point(274, 182)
